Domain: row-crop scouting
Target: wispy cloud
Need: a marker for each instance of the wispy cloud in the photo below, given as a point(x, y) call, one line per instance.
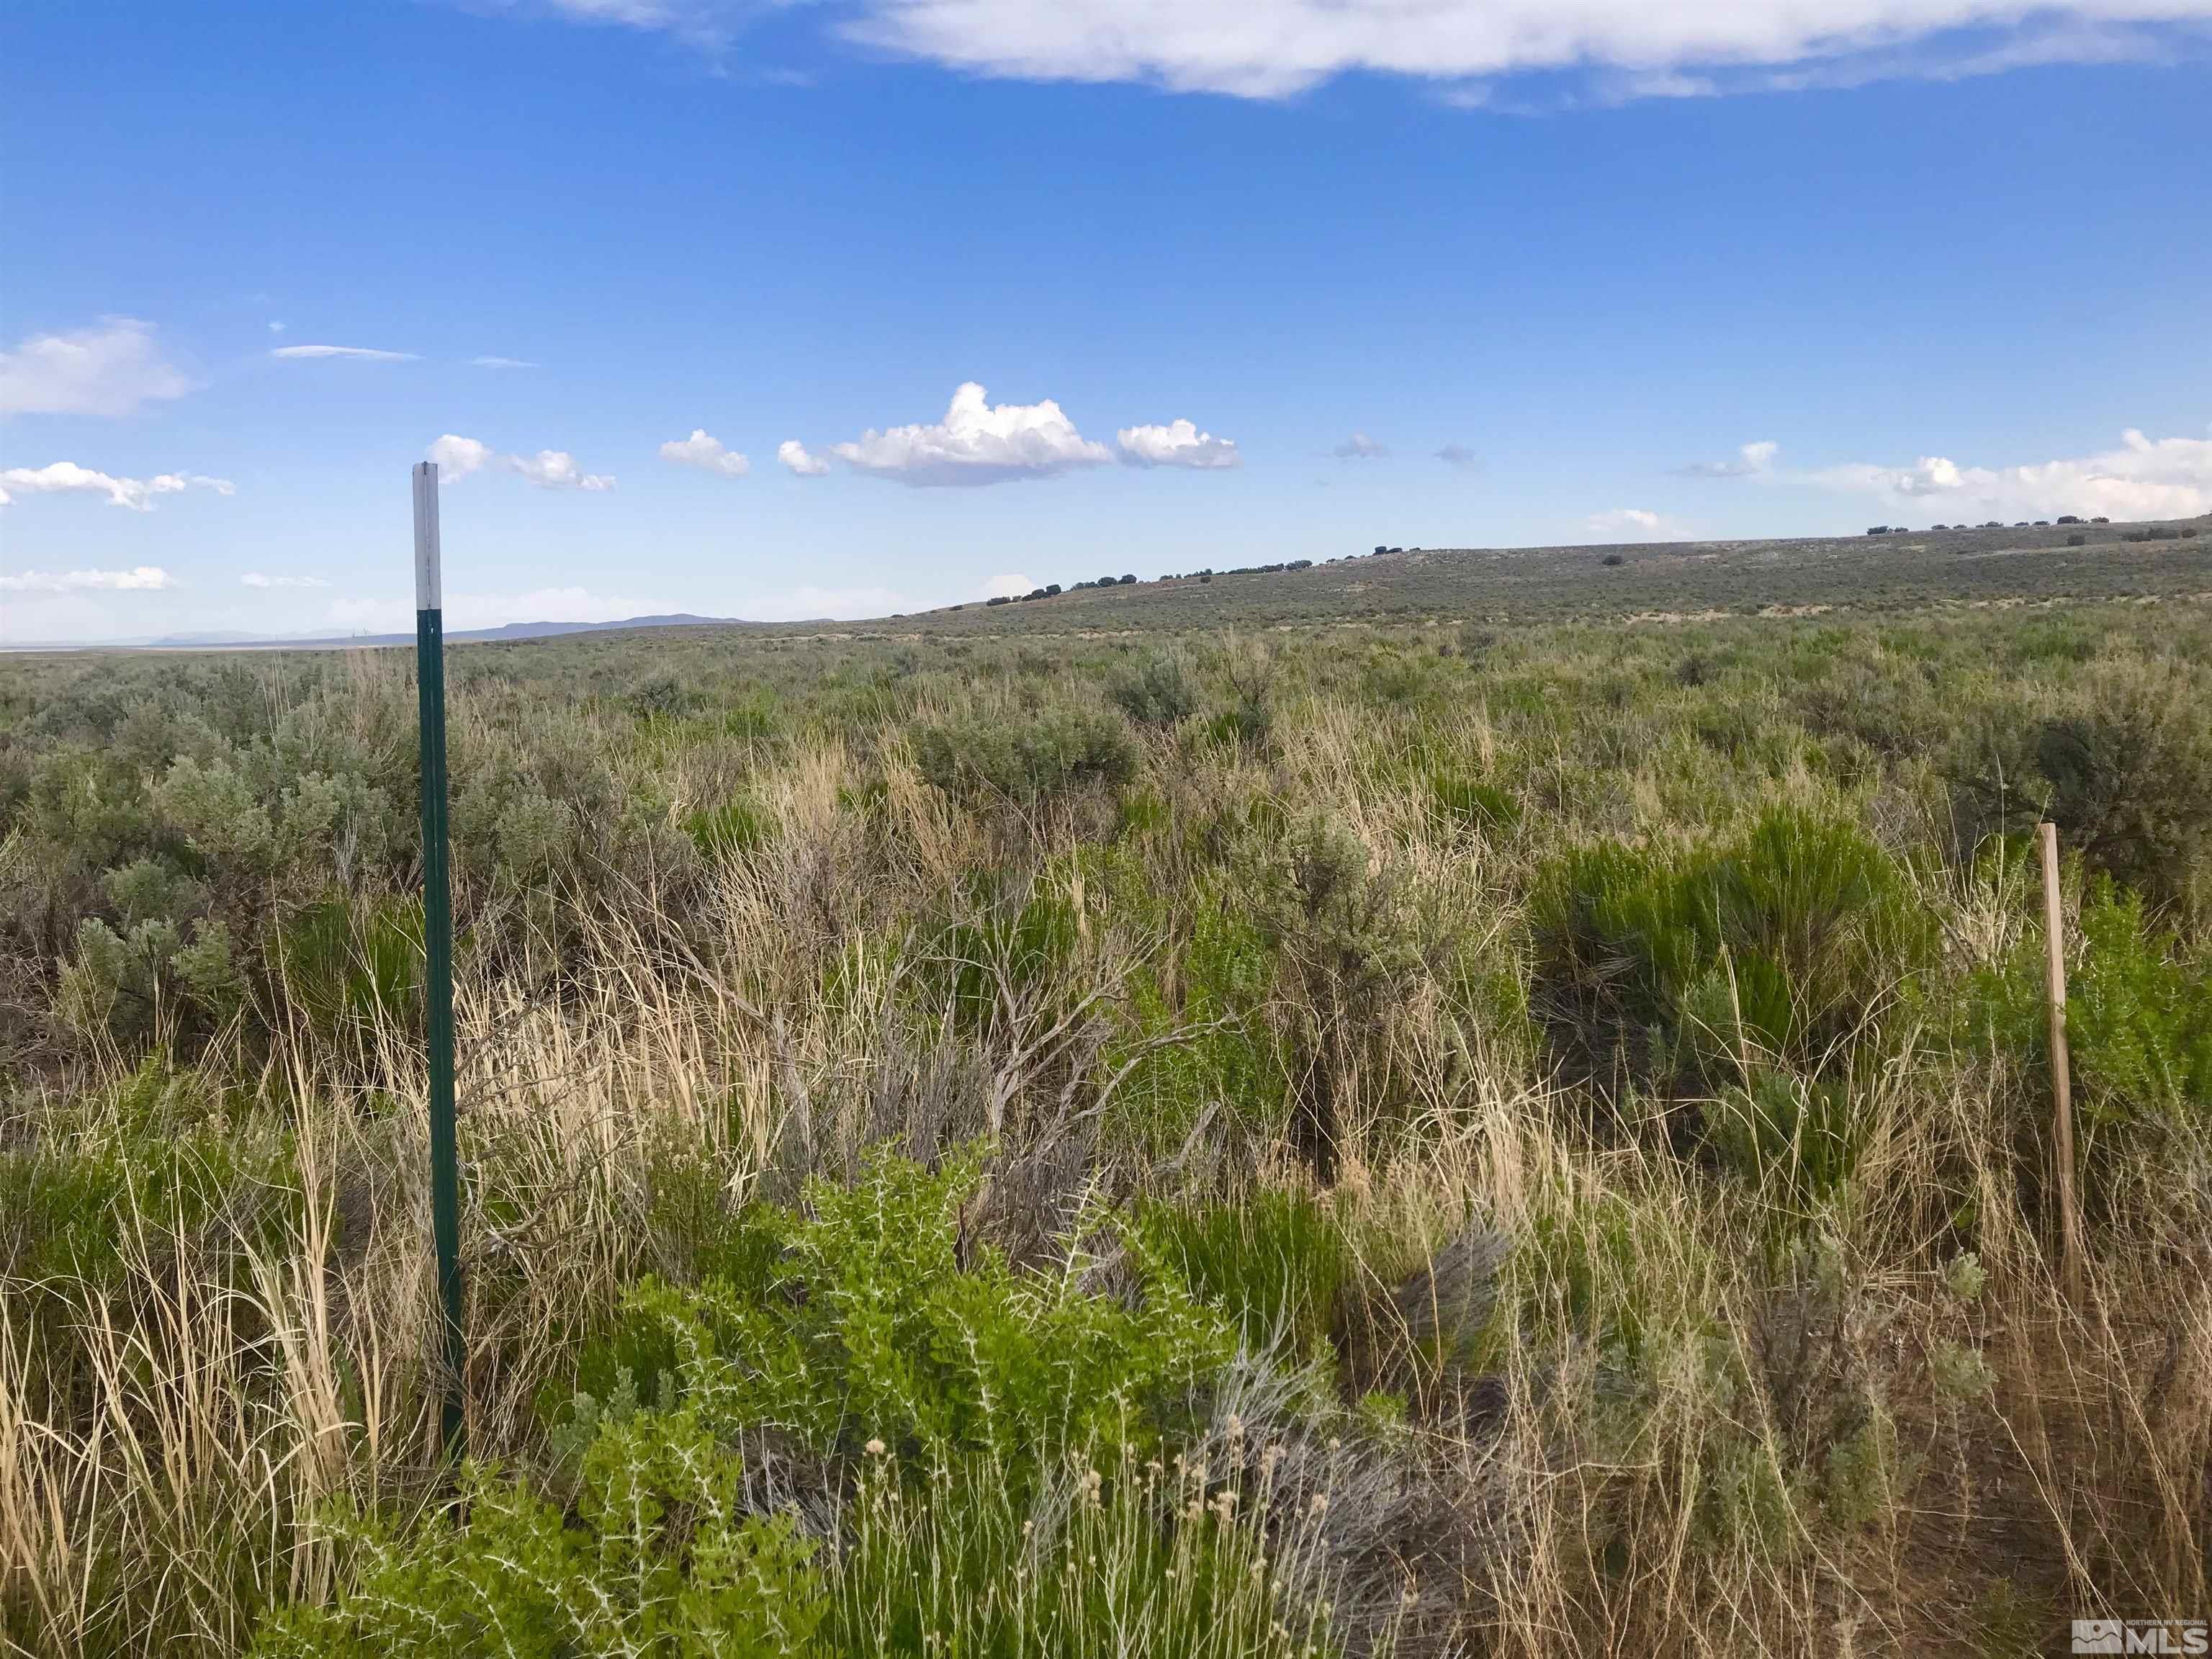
point(1635, 524)
point(500, 363)
point(1751, 459)
point(1359, 447)
point(1461, 455)
point(1612, 51)
point(357, 354)
point(112, 367)
point(255, 579)
point(68, 479)
point(145, 578)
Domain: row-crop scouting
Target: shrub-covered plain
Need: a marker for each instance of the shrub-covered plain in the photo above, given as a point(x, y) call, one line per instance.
point(1343, 1139)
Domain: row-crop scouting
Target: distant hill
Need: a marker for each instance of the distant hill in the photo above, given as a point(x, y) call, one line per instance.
point(222, 641)
point(530, 630)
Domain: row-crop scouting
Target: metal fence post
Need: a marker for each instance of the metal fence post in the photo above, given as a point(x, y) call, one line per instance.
point(438, 945)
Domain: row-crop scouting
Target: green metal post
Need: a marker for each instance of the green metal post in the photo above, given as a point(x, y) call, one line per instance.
point(438, 944)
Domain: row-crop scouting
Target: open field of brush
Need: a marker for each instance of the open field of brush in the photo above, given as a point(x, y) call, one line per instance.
point(1261, 1135)
point(1896, 573)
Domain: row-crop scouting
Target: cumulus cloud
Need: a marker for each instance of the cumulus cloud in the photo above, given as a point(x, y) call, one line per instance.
point(255, 579)
point(358, 353)
point(1179, 443)
point(110, 368)
point(1751, 459)
point(1461, 455)
point(1010, 585)
point(1634, 524)
point(977, 442)
point(457, 457)
point(1358, 448)
point(799, 460)
point(68, 479)
point(1629, 48)
point(556, 468)
point(145, 578)
point(706, 453)
point(549, 469)
point(2143, 478)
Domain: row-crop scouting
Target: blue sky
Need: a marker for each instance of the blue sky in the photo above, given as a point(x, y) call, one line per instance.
point(1431, 273)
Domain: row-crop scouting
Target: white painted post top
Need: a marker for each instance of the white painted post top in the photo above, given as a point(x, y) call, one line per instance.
point(427, 586)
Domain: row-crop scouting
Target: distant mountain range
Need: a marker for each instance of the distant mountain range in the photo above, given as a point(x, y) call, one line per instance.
point(231, 641)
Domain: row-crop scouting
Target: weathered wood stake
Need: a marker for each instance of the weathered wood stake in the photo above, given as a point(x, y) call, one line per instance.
point(2061, 1090)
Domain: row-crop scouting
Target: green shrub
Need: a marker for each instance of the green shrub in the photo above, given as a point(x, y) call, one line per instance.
point(1791, 941)
point(352, 966)
point(732, 830)
point(2129, 776)
point(870, 1325)
point(1466, 803)
point(2139, 1015)
point(1157, 690)
point(655, 1557)
point(1799, 1140)
point(1277, 1262)
point(1026, 760)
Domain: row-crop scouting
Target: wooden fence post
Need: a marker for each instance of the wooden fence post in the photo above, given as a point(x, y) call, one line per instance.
point(2061, 1090)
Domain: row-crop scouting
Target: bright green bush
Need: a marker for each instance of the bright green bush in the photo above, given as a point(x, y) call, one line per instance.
point(874, 1320)
point(2138, 1016)
point(1012, 1492)
point(1276, 1262)
point(654, 1558)
point(1788, 944)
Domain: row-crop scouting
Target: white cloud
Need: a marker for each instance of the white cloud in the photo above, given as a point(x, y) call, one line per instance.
point(707, 453)
point(457, 457)
point(1179, 443)
point(2143, 478)
point(67, 478)
point(1358, 448)
point(556, 468)
point(797, 459)
point(976, 443)
point(359, 354)
point(110, 368)
point(1012, 586)
point(1635, 524)
point(1630, 48)
point(275, 328)
point(549, 469)
point(255, 579)
point(1751, 459)
point(1461, 455)
point(500, 362)
point(144, 578)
